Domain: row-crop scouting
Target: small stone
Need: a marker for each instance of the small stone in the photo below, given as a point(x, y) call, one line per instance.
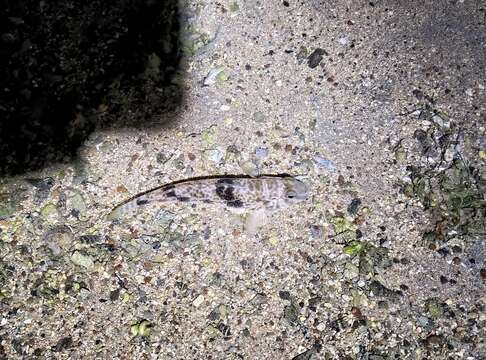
point(249, 168)
point(434, 341)
point(7, 209)
point(234, 7)
point(273, 240)
point(291, 314)
point(319, 160)
point(59, 239)
point(353, 207)
point(134, 329)
point(284, 295)
point(401, 156)
point(378, 289)
point(259, 117)
point(343, 40)
point(82, 260)
point(198, 301)
point(482, 274)
point(261, 152)
point(316, 231)
point(355, 248)
point(434, 308)
point(75, 201)
point(418, 94)
point(209, 137)
point(315, 57)
point(212, 332)
point(121, 189)
point(162, 158)
point(43, 188)
point(215, 75)
point(351, 271)
point(215, 155)
point(306, 355)
point(145, 328)
point(49, 212)
point(63, 343)
point(164, 218)
point(224, 330)
point(342, 225)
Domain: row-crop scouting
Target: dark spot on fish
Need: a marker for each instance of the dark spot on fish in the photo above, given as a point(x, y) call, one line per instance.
point(168, 187)
point(207, 201)
point(141, 201)
point(235, 203)
point(225, 181)
point(170, 193)
point(183, 198)
point(225, 192)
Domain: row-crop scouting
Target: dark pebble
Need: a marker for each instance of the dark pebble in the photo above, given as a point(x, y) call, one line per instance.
point(315, 57)
point(64, 343)
point(214, 315)
point(418, 94)
point(444, 251)
point(353, 206)
point(285, 295)
point(433, 341)
point(456, 249)
point(225, 330)
point(115, 294)
point(482, 273)
point(316, 231)
point(404, 261)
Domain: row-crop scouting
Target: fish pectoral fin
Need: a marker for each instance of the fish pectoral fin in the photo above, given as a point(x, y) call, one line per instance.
point(255, 220)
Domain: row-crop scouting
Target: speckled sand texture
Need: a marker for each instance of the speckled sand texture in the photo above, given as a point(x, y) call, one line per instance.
point(378, 106)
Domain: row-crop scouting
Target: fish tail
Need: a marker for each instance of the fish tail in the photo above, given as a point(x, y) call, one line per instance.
point(129, 206)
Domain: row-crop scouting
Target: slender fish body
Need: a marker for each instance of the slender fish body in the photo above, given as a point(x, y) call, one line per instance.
point(268, 192)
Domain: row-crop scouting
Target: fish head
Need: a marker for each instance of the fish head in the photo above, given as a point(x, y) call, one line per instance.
point(295, 190)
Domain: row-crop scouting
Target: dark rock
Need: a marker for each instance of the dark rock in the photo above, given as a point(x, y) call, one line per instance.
point(62, 344)
point(224, 330)
point(316, 231)
point(214, 315)
point(43, 188)
point(418, 94)
point(284, 295)
point(291, 314)
point(115, 294)
point(379, 290)
point(353, 206)
point(315, 57)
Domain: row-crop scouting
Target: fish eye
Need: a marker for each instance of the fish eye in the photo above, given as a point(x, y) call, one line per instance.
point(291, 194)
